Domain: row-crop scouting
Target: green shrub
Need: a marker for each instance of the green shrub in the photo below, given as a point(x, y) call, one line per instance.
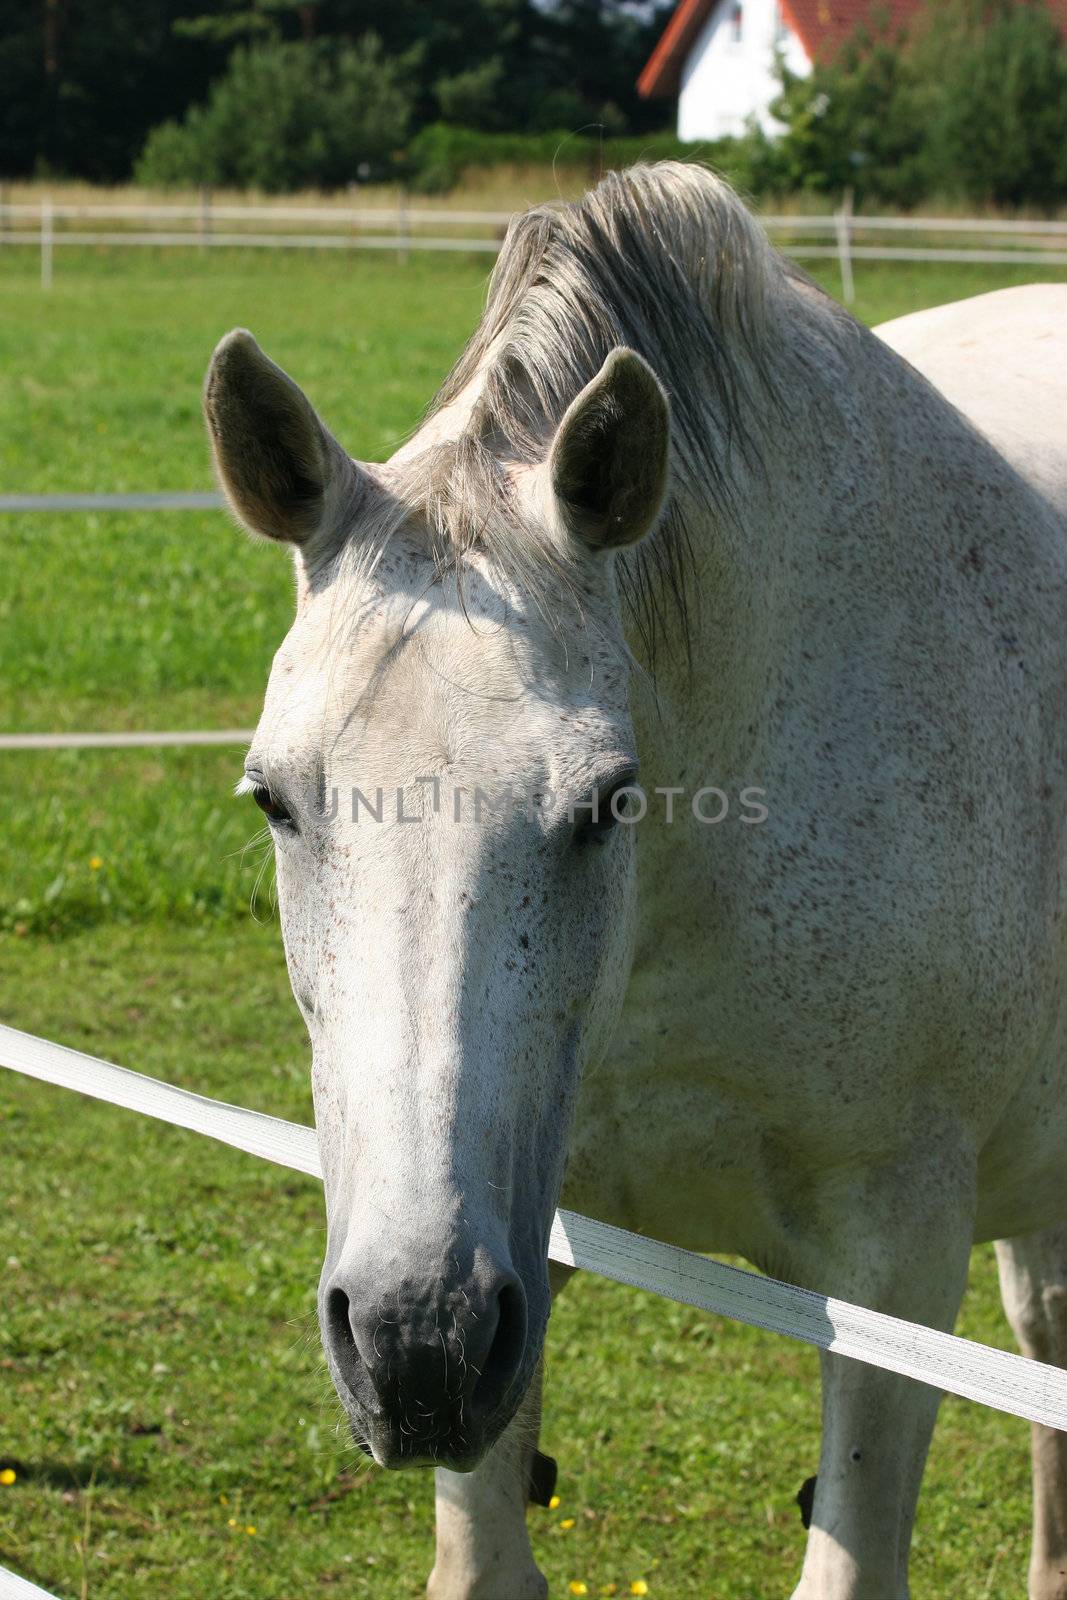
point(288, 116)
point(851, 124)
point(172, 155)
point(971, 102)
point(993, 96)
point(472, 99)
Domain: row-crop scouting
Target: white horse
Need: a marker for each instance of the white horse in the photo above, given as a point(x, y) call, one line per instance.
point(675, 506)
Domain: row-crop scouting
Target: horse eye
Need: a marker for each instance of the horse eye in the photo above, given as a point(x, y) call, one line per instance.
point(612, 805)
point(270, 806)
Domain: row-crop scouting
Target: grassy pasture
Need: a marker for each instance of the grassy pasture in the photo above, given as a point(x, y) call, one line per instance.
point(160, 1390)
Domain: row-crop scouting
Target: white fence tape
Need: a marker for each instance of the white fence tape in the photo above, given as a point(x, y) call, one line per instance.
point(287, 1143)
point(12, 1587)
point(166, 500)
point(124, 741)
point(265, 241)
point(404, 216)
point(404, 242)
point(1011, 1383)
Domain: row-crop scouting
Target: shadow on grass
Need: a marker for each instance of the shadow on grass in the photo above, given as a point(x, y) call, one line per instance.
point(73, 1475)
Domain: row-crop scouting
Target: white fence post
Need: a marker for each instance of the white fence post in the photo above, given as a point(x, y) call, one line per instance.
point(47, 231)
point(843, 222)
point(205, 216)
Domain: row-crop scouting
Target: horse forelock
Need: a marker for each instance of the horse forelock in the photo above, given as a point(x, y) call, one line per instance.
point(665, 259)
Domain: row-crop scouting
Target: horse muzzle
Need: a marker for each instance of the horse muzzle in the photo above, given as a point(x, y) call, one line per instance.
point(429, 1367)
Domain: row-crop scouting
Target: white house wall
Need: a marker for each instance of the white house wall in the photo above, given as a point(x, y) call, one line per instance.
point(726, 80)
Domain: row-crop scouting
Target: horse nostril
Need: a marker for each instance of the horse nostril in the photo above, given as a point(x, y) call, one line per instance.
point(339, 1325)
point(504, 1357)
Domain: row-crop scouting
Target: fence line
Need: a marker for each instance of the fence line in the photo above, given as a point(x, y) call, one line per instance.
point(202, 213)
point(135, 740)
point(1016, 1384)
point(405, 224)
point(996, 1378)
point(782, 221)
point(402, 243)
point(860, 252)
point(262, 241)
point(208, 500)
point(842, 222)
point(12, 1587)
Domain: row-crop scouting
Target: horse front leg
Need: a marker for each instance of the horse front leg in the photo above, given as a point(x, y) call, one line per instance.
point(483, 1546)
point(1033, 1285)
point(898, 1242)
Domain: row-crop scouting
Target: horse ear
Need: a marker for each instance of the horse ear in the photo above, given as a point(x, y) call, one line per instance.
point(609, 459)
point(284, 475)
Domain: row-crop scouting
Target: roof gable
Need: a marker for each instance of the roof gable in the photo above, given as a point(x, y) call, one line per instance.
point(662, 72)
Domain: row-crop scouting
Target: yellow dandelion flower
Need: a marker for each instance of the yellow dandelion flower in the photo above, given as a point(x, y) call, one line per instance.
point(251, 1529)
point(553, 1504)
point(576, 1586)
point(639, 1586)
point(95, 863)
point(232, 1522)
point(568, 1522)
point(8, 1476)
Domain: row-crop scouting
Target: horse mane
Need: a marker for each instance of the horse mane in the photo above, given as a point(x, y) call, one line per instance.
point(663, 258)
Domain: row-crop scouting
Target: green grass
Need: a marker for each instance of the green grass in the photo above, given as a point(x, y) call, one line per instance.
point(157, 1348)
point(108, 836)
point(100, 391)
point(170, 621)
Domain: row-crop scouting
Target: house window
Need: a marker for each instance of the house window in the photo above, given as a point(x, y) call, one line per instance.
point(737, 22)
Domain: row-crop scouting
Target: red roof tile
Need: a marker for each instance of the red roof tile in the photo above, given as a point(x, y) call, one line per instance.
point(824, 25)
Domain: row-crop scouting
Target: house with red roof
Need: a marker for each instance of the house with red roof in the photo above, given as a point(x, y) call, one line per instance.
point(719, 56)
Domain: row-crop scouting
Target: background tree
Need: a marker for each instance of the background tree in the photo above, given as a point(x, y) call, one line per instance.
point(234, 21)
point(852, 125)
point(970, 102)
point(288, 116)
point(83, 81)
point(992, 97)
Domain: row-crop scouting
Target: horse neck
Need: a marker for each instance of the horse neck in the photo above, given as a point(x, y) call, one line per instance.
point(836, 405)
